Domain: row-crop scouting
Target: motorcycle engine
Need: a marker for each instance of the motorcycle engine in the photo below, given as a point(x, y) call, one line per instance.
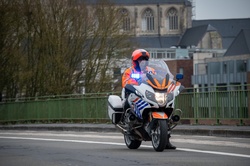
point(130, 120)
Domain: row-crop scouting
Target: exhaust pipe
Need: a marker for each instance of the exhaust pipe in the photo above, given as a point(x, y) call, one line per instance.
point(121, 129)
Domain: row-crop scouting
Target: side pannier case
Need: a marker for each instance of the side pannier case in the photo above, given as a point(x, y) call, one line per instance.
point(115, 109)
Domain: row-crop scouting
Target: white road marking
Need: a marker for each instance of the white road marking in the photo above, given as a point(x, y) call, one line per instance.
point(122, 144)
point(177, 138)
point(63, 140)
point(67, 135)
point(213, 152)
point(214, 143)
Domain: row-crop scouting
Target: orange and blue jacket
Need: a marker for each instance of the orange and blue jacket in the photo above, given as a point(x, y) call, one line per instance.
point(127, 79)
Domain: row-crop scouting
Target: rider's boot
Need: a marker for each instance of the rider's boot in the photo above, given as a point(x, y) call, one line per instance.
point(169, 145)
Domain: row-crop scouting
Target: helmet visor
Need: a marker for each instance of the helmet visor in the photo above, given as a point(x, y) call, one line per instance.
point(143, 64)
point(145, 58)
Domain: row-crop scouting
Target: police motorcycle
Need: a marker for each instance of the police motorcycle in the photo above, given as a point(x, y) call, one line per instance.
point(145, 112)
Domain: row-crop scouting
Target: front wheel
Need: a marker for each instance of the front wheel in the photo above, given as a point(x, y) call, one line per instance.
point(131, 144)
point(159, 135)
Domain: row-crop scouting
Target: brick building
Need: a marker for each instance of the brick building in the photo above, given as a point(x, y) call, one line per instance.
point(184, 67)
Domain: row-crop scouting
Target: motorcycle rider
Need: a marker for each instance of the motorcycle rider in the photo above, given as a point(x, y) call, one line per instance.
point(138, 56)
point(140, 59)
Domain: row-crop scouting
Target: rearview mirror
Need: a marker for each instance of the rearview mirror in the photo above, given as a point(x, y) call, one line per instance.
point(179, 76)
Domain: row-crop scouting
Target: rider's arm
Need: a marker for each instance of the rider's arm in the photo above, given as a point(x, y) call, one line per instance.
point(126, 78)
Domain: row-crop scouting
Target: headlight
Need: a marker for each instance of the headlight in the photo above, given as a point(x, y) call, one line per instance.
point(150, 96)
point(161, 98)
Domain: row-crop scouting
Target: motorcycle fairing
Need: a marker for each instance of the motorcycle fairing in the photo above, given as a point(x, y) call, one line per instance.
point(139, 106)
point(158, 83)
point(159, 115)
point(130, 88)
point(173, 86)
point(142, 89)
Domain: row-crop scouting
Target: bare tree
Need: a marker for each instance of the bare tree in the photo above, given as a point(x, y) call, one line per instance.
point(10, 20)
point(107, 45)
point(43, 43)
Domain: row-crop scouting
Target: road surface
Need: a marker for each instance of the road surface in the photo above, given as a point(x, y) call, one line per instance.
point(40, 148)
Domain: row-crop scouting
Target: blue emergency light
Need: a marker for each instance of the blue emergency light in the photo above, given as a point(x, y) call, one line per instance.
point(135, 75)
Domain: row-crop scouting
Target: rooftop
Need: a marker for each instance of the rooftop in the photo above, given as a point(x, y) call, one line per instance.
point(193, 35)
point(227, 28)
point(241, 44)
point(156, 41)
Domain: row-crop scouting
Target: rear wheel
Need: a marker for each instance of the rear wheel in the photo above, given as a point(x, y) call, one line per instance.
point(159, 135)
point(131, 143)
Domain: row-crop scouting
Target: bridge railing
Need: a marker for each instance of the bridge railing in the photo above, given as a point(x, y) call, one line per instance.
point(216, 104)
point(197, 105)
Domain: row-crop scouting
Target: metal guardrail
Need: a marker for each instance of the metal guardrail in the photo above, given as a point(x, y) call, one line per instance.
point(55, 108)
point(215, 105)
point(196, 105)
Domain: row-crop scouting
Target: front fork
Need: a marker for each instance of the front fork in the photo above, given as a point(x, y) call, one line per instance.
point(153, 118)
point(172, 121)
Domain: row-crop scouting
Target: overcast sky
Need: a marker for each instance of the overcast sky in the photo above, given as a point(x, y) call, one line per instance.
point(222, 9)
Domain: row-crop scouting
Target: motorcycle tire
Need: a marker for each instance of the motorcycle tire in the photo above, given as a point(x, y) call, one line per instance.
point(131, 144)
point(159, 135)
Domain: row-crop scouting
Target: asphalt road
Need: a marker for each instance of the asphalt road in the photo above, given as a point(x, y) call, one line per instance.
point(41, 148)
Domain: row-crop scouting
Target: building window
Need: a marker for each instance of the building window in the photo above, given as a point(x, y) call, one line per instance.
point(148, 20)
point(225, 68)
point(181, 71)
point(172, 19)
point(171, 55)
point(241, 66)
point(125, 19)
